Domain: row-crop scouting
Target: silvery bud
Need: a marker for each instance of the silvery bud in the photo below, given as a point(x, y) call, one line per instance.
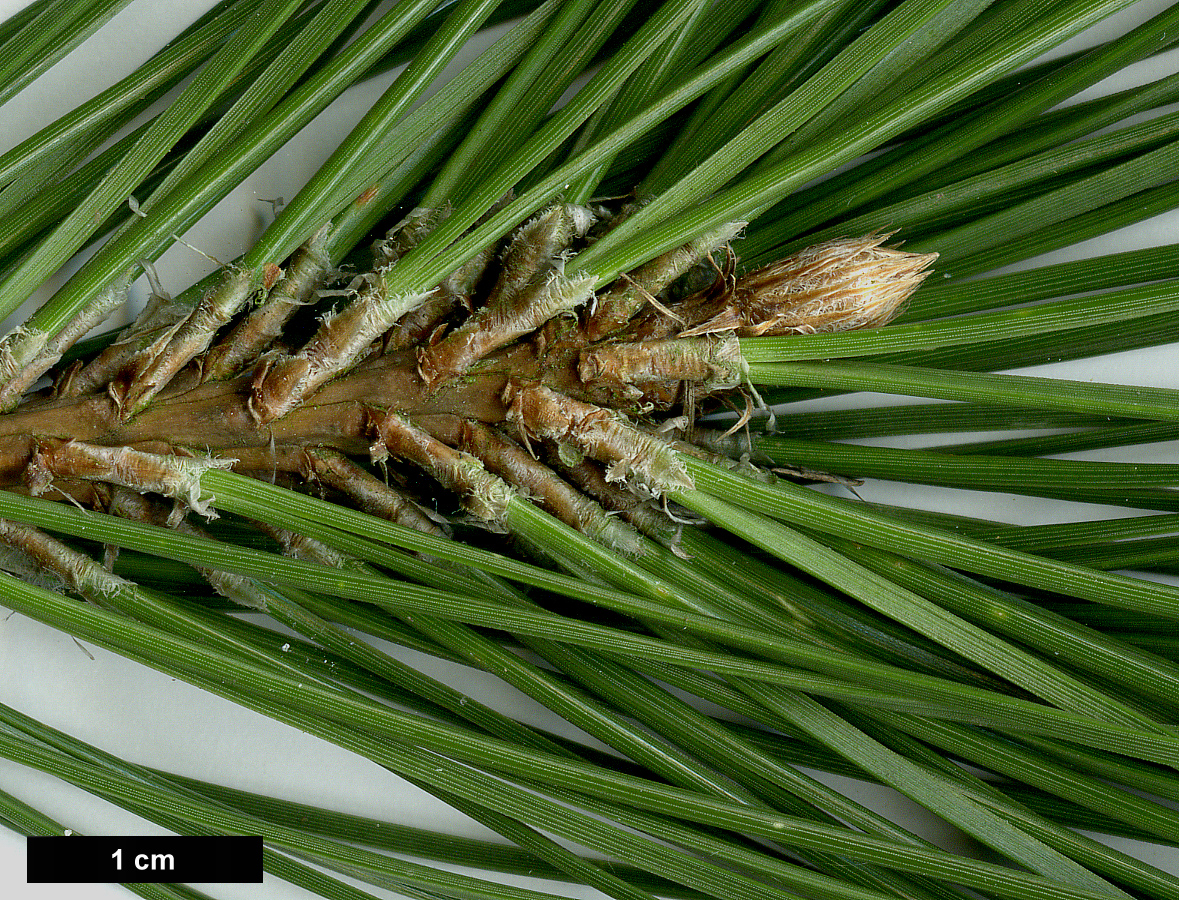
point(838, 285)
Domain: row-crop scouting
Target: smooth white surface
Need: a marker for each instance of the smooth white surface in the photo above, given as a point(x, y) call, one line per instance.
point(149, 718)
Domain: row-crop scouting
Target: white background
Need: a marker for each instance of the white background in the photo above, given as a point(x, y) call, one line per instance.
point(148, 718)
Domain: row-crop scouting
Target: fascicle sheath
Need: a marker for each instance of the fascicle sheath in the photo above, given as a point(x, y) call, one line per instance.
point(239, 589)
point(644, 515)
point(535, 245)
point(602, 434)
point(531, 290)
point(50, 349)
point(714, 363)
point(497, 326)
point(152, 370)
point(407, 234)
point(159, 317)
point(75, 570)
point(342, 338)
point(178, 477)
point(18, 350)
point(373, 495)
point(623, 300)
point(305, 272)
point(485, 496)
point(454, 292)
point(534, 479)
point(308, 549)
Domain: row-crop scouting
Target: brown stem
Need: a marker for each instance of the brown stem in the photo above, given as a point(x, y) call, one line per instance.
point(213, 416)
